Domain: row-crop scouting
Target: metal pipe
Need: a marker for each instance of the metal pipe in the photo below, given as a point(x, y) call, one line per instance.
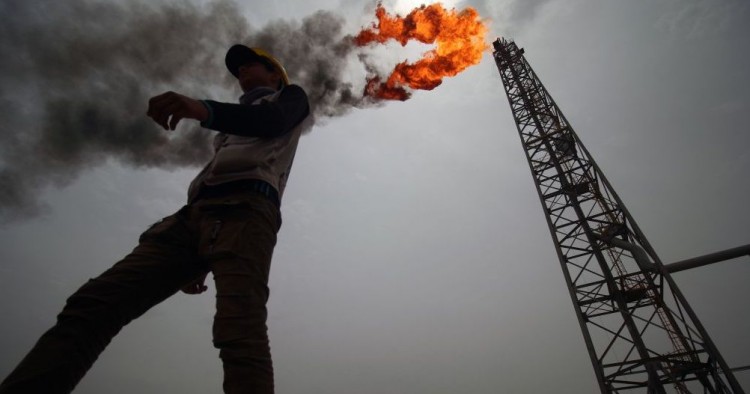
point(709, 259)
point(640, 255)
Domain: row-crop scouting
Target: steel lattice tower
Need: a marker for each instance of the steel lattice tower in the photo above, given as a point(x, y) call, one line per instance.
point(640, 332)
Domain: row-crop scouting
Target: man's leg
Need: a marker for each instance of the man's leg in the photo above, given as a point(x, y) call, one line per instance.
point(165, 259)
point(240, 260)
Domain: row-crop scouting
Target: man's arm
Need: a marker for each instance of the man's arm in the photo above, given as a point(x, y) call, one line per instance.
point(266, 119)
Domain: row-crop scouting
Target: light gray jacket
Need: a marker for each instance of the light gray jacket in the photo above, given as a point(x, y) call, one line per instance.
point(239, 157)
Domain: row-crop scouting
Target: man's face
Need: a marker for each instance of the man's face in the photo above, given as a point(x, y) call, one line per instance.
point(254, 74)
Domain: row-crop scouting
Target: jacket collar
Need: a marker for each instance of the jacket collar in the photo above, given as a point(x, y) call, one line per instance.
point(256, 93)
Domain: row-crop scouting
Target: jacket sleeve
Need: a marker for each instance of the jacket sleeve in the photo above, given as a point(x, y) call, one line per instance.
point(266, 120)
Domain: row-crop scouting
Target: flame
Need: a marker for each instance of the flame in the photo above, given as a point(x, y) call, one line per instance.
point(458, 38)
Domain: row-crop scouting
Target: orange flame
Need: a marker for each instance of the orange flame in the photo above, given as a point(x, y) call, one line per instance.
point(459, 39)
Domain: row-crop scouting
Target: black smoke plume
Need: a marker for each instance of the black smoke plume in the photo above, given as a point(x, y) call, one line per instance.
point(76, 76)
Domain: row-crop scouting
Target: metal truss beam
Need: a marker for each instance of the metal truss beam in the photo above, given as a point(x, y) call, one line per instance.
point(640, 332)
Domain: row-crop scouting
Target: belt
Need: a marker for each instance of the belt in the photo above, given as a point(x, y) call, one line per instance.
point(246, 185)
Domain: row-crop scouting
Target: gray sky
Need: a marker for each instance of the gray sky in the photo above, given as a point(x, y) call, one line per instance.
point(414, 256)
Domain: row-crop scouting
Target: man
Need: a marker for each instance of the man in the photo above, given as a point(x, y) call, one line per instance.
point(228, 227)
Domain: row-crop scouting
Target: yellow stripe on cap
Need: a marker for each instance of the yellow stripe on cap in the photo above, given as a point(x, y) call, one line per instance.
point(275, 62)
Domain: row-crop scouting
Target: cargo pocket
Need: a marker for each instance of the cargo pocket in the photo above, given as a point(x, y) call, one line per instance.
point(160, 230)
point(243, 232)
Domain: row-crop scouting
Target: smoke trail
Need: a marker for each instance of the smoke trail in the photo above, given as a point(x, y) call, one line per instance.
point(76, 77)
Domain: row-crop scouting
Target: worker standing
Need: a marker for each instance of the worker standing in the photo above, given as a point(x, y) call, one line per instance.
point(228, 228)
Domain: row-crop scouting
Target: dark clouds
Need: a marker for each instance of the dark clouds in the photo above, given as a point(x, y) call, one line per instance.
point(76, 78)
point(315, 53)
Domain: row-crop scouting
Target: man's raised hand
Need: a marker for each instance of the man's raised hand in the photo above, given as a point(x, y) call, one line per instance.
point(161, 107)
point(197, 286)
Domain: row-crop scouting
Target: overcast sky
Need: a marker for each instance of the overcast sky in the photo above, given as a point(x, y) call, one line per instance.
point(414, 257)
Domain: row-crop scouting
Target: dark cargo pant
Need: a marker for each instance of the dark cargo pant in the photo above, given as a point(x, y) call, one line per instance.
point(232, 236)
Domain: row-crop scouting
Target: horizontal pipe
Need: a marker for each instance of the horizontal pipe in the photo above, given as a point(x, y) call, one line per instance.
point(745, 368)
point(709, 259)
point(645, 263)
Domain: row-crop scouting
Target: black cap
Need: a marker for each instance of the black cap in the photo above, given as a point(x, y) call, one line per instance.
point(238, 55)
